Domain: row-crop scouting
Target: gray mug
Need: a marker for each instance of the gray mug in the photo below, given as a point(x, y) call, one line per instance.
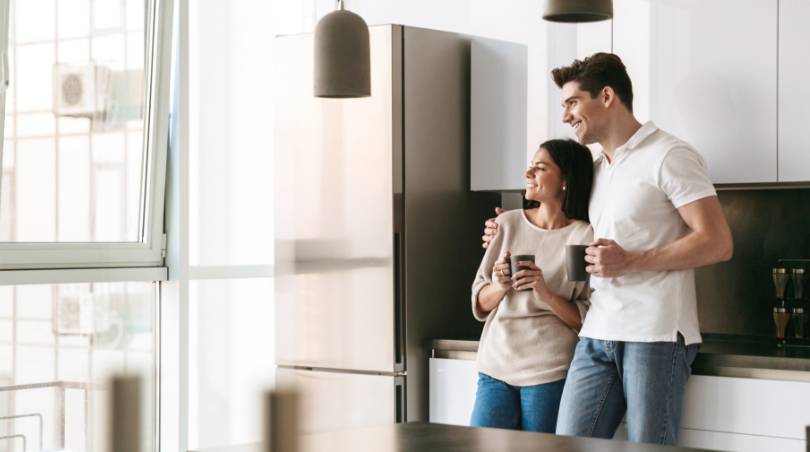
point(513, 260)
point(575, 262)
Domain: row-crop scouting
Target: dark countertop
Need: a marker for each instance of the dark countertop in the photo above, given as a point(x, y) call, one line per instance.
point(719, 355)
point(419, 437)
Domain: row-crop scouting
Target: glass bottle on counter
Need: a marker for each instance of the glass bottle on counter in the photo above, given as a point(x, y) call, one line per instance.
point(799, 323)
point(781, 317)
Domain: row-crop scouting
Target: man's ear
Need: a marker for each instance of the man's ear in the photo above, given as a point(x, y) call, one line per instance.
point(607, 96)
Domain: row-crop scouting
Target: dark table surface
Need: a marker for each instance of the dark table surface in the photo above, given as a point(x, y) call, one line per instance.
point(419, 437)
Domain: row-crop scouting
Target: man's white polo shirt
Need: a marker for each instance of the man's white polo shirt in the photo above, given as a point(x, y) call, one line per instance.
point(634, 202)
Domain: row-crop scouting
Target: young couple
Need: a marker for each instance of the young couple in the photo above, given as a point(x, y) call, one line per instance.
point(654, 217)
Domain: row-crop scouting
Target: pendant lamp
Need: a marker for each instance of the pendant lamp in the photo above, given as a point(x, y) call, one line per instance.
point(342, 63)
point(578, 10)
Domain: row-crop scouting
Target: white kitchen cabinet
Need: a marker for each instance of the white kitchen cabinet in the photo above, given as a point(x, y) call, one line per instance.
point(704, 439)
point(737, 442)
point(452, 384)
point(750, 406)
point(707, 73)
point(794, 91)
point(498, 114)
point(499, 93)
point(742, 414)
point(723, 413)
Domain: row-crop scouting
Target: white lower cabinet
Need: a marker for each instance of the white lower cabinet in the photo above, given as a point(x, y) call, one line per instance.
point(737, 442)
point(751, 406)
point(451, 387)
point(723, 413)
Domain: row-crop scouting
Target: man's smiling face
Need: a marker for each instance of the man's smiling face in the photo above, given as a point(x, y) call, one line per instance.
point(582, 112)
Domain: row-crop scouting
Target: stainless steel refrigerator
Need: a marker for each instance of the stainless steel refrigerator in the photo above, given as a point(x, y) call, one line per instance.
point(377, 234)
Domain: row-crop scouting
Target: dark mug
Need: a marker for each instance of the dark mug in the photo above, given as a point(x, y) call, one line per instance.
point(513, 260)
point(575, 262)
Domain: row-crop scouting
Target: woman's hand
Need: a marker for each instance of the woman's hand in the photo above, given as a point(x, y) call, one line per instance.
point(491, 295)
point(531, 278)
point(501, 274)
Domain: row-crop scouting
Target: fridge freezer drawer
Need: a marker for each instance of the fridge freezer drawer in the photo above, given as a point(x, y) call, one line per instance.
point(336, 401)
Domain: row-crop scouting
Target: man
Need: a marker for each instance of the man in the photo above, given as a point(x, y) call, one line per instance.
point(656, 217)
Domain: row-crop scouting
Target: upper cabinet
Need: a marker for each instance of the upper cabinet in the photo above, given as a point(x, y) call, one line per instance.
point(498, 114)
point(729, 77)
point(794, 91)
point(707, 73)
point(502, 140)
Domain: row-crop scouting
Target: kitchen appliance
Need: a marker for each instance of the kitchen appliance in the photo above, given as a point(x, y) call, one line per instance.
point(797, 279)
point(798, 317)
point(781, 316)
point(780, 281)
point(799, 321)
point(377, 235)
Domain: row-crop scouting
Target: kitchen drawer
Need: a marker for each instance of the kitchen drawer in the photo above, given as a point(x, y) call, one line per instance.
point(747, 406)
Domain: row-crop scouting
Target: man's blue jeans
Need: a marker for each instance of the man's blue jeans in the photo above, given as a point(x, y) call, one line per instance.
point(645, 380)
point(530, 408)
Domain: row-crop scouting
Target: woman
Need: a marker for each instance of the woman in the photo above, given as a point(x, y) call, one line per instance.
point(529, 335)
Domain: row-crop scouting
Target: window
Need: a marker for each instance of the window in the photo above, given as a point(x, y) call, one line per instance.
point(59, 345)
point(83, 144)
point(84, 138)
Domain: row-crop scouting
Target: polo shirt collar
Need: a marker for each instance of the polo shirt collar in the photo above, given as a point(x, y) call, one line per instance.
point(646, 129)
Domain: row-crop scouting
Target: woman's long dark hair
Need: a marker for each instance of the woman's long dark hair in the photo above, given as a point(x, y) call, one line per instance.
point(576, 168)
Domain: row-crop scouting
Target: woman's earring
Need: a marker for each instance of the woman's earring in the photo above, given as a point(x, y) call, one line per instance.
point(563, 187)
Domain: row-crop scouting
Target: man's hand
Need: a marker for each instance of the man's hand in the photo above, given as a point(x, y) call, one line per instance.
point(490, 228)
point(608, 259)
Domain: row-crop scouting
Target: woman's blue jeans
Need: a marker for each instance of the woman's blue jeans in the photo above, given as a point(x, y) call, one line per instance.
point(530, 408)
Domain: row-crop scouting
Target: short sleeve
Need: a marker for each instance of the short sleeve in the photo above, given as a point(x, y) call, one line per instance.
point(582, 299)
point(684, 177)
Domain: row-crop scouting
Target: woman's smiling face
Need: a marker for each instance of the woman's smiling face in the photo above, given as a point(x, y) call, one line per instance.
point(543, 178)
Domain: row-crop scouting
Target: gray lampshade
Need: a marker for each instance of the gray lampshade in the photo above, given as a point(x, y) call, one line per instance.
point(342, 63)
point(578, 10)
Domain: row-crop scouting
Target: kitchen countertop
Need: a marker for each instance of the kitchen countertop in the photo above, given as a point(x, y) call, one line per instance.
point(719, 355)
point(418, 437)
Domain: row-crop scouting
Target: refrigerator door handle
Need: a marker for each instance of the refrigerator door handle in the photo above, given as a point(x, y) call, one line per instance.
point(399, 319)
point(399, 394)
point(5, 80)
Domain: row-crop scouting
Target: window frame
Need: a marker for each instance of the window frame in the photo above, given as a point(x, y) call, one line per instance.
point(150, 250)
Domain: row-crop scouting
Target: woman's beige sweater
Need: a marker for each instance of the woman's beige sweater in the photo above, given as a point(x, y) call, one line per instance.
point(523, 342)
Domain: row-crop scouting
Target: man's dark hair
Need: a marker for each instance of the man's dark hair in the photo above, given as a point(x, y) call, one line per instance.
point(596, 72)
point(576, 168)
